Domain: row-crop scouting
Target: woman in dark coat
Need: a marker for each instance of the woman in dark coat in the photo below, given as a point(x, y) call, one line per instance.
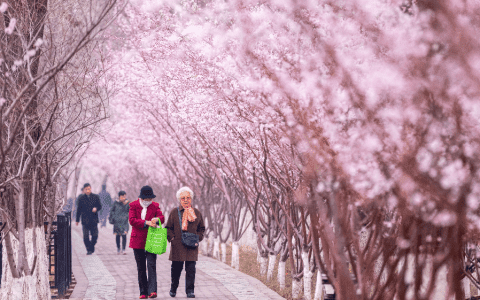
point(192, 221)
point(144, 213)
point(119, 218)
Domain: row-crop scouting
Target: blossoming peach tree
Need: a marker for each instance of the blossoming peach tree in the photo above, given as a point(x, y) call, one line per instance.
point(353, 124)
point(49, 110)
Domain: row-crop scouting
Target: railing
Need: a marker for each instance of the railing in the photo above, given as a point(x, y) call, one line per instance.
point(1, 247)
point(59, 253)
point(62, 248)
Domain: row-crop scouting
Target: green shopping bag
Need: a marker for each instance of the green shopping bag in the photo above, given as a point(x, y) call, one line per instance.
point(156, 240)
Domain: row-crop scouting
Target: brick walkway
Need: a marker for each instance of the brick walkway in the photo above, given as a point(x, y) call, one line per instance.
point(106, 275)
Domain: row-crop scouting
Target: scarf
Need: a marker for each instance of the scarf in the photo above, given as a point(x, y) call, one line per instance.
point(144, 204)
point(188, 216)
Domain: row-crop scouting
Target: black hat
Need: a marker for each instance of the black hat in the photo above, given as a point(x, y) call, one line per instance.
point(146, 192)
point(121, 193)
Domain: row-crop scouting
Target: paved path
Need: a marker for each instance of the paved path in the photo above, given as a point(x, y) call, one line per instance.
point(106, 275)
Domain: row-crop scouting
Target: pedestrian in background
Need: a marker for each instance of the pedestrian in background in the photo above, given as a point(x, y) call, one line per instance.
point(144, 213)
point(69, 206)
point(88, 207)
point(191, 221)
point(119, 218)
point(107, 203)
point(74, 212)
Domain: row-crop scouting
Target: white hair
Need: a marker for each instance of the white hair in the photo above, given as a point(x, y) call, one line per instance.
point(184, 189)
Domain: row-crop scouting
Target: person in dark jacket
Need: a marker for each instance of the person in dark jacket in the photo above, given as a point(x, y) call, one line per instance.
point(191, 221)
point(88, 207)
point(144, 213)
point(119, 218)
point(107, 203)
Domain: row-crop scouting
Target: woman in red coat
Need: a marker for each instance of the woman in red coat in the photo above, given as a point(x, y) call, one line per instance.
point(144, 213)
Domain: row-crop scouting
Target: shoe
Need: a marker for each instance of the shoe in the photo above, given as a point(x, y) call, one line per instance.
point(153, 295)
point(119, 252)
point(143, 297)
point(172, 294)
point(190, 295)
point(89, 252)
point(123, 252)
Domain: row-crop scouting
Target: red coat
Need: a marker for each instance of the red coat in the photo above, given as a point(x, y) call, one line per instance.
point(138, 238)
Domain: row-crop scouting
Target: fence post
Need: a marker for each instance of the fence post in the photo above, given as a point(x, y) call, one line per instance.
point(1, 252)
point(69, 247)
point(60, 255)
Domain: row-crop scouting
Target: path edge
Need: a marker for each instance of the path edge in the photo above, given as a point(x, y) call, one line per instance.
point(251, 280)
point(80, 288)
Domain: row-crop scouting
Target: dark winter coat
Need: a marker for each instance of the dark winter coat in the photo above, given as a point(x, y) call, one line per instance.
point(138, 238)
point(119, 217)
point(178, 252)
point(85, 207)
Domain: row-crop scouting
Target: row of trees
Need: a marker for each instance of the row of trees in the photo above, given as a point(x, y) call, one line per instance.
point(348, 131)
point(54, 94)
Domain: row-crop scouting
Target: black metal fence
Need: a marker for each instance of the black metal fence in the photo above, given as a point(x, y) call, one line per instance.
point(61, 250)
point(1, 247)
point(59, 253)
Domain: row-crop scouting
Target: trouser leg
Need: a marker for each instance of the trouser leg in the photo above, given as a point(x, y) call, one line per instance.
point(94, 231)
point(152, 272)
point(117, 239)
point(190, 271)
point(140, 258)
point(86, 236)
point(124, 241)
point(176, 270)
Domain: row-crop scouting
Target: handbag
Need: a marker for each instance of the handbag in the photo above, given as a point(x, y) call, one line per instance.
point(110, 219)
point(156, 240)
point(189, 240)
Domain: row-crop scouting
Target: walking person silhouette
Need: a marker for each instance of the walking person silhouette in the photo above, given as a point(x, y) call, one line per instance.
point(144, 213)
point(184, 219)
point(119, 218)
point(88, 207)
point(107, 203)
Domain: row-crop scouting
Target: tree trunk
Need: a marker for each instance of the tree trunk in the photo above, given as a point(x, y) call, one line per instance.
point(440, 291)
point(263, 265)
point(319, 286)
point(307, 277)
point(223, 246)
point(296, 288)
point(466, 287)
point(204, 247)
point(235, 256)
point(216, 248)
point(32, 287)
point(441, 285)
point(210, 246)
point(271, 265)
point(281, 274)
